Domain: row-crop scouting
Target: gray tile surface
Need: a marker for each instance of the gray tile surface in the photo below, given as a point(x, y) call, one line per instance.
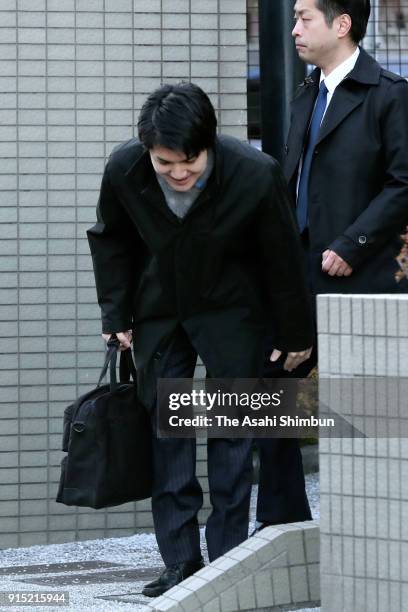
point(73, 77)
point(81, 566)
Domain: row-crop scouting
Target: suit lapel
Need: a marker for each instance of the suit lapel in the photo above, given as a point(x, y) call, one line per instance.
point(350, 93)
point(344, 101)
point(347, 96)
point(145, 183)
point(154, 196)
point(302, 108)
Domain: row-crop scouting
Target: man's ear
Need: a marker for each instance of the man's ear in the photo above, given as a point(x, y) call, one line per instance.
point(343, 25)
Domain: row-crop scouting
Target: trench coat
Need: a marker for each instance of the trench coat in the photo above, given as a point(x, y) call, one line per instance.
point(225, 272)
point(358, 189)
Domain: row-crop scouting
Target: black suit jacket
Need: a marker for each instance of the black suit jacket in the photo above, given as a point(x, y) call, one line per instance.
point(225, 272)
point(358, 190)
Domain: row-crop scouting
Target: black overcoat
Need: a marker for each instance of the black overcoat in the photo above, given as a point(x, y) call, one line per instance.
point(225, 272)
point(358, 190)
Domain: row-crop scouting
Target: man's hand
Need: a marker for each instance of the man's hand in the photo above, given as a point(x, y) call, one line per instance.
point(293, 360)
point(125, 339)
point(334, 265)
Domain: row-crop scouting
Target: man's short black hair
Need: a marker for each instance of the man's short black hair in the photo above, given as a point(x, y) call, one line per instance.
point(359, 11)
point(178, 117)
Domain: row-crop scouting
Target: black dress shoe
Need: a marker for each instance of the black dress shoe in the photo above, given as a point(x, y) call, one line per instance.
point(172, 575)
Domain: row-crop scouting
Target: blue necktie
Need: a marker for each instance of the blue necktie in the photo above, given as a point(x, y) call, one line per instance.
point(302, 203)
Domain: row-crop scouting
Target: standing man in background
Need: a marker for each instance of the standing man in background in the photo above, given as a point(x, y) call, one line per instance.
point(347, 169)
point(347, 152)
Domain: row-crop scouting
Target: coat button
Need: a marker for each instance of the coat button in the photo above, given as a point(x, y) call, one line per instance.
point(316, 151)
point(286, 149)
point(362, 239)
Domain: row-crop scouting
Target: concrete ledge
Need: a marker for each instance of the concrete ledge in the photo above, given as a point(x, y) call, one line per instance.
point(273, 570)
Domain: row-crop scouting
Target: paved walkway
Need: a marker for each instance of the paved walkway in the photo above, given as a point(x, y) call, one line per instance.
point(99, 575)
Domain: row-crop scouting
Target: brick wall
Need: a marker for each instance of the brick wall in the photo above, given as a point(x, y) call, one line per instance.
point(72, 88)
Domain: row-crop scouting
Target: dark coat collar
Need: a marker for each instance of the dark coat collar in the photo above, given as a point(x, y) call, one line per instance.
point(366, 71)
point(143, 176)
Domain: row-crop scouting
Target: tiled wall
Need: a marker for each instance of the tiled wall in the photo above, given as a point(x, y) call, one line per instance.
point(364, 480)
point(71, 88)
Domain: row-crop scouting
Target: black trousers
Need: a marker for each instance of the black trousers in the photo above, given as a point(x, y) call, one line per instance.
point(177, 496)
point(281, 493)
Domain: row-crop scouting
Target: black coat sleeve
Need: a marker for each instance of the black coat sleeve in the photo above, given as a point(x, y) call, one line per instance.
point(283, 267)
point(113, 243)
point(387, 214)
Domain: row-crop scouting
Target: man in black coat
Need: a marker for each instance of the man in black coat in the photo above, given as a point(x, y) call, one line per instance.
point(195, 251)
point(357, 191)
point(347, 169)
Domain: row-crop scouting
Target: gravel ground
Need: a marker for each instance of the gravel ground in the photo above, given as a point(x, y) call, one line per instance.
point(138, 551)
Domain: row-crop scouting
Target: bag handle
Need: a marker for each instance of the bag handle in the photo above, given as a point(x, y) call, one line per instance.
point(110, 354)
point(126, 365)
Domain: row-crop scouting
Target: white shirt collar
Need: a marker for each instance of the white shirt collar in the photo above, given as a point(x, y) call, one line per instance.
point(340, 72)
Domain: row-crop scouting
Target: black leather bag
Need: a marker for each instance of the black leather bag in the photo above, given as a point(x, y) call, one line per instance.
point(107, 436)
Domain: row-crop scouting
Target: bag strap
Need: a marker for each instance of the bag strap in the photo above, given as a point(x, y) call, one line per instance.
point(126, 365)
point(110, 354)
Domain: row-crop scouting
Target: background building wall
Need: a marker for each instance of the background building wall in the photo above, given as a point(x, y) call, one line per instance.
point(73, 76)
